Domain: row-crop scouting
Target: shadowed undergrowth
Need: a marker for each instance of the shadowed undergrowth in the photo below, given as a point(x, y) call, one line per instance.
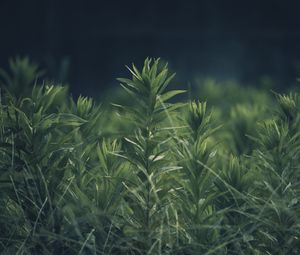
point(149, 176)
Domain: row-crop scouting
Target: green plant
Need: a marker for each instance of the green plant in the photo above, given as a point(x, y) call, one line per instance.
point(21, 79)
point(148, 185)
point(170, 178)
point(199, 221)
point(278, 163)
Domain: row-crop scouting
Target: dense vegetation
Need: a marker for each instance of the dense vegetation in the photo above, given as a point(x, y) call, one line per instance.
point(151, 175)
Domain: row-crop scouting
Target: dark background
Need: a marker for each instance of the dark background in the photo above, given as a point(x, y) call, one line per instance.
point(88, 43)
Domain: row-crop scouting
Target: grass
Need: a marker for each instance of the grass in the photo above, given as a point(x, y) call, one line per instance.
point(151, 175)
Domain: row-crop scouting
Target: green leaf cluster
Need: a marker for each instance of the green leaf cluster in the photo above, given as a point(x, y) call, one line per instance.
point(151, 175)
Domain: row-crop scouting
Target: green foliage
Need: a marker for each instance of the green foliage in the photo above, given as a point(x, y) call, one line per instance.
point(149, 185)
point(150, 175)
point(22, 77)
point(198, 218)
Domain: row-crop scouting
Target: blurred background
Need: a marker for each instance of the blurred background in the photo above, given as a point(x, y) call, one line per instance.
point(87, 43)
